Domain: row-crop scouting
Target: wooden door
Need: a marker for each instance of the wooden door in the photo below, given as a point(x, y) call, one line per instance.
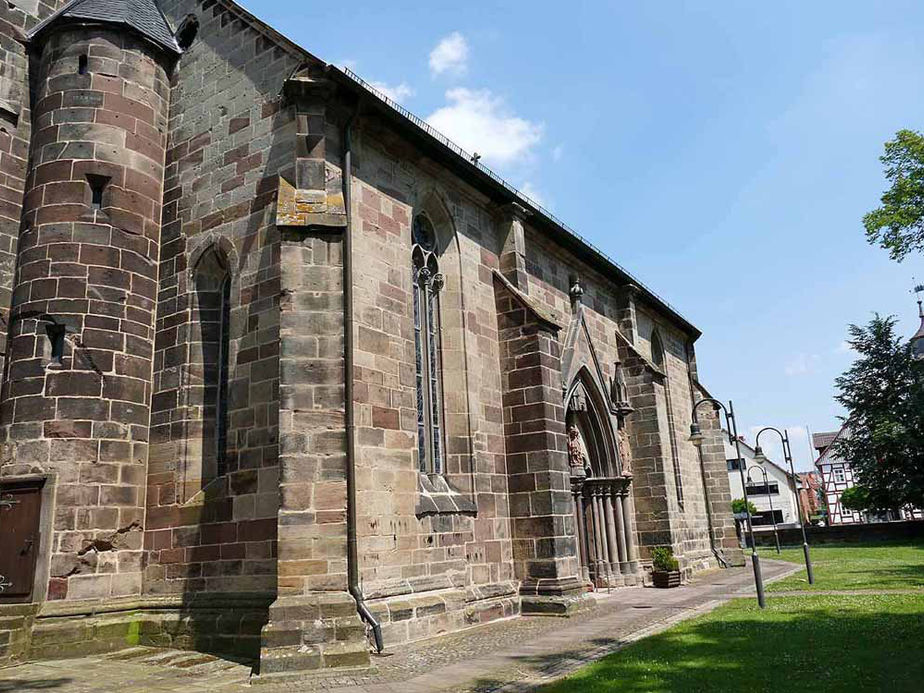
point(20, 511)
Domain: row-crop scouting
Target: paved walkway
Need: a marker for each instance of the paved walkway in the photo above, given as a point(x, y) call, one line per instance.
point(511, 656)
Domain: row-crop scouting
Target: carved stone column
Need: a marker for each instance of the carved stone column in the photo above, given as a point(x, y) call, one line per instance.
point(611, 529)
point(629, 517)
point(577, 491)
point(620, 531)
point(600, 532)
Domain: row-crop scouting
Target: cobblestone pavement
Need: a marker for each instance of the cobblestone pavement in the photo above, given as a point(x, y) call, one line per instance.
point(512, 656)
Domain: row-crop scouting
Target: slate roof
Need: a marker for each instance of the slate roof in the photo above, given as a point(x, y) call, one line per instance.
point(144, 16)
point(820, 441)
point(827, 453)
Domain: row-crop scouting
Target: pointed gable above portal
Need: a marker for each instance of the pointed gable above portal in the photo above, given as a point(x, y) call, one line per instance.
point(144, 16)
point(578, 350)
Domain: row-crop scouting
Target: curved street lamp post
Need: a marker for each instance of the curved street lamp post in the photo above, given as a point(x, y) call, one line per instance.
point(760, 457)
point(776, 534)
point(696, 437)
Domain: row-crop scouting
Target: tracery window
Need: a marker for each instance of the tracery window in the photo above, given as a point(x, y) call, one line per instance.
point(427, 283)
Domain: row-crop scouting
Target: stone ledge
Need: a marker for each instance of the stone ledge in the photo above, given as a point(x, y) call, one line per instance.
point(409, 618)
point(436, 496)
point(201, 600)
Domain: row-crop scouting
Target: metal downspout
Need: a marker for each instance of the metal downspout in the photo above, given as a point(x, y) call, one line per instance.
point(352, 545)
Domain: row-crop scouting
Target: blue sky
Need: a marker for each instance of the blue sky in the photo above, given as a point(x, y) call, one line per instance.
point(723, 152)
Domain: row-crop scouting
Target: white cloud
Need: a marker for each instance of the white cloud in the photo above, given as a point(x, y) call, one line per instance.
point(349, 63)
point(398, 92)
point(450, 55)
point(480, 122)
point(843, 348)
point(531, 192)
point(557, 152)
point(802, 364)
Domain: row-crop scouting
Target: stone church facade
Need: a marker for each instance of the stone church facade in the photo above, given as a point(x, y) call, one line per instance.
point(285, 373)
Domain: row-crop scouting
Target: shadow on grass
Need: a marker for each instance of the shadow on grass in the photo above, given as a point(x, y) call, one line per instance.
point(11, 685)
point(848, 644)
point(913, 574)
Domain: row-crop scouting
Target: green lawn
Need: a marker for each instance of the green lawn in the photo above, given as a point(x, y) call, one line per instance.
point(856, 567)
point(808, 643)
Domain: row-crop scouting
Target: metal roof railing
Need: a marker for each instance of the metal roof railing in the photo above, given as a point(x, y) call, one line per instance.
point(474, 161)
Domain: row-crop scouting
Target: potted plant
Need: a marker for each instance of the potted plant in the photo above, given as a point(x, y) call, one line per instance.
point(665, 570)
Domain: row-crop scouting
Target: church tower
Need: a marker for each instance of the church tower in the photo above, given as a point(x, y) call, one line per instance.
point(76, 393)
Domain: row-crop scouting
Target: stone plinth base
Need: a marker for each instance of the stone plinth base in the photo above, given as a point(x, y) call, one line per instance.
point(734, 557)
point(411, 616)
point(221, 624)
point(315, 631)
point(553, 597)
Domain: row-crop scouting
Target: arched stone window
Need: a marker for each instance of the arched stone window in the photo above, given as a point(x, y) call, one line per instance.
point(659, 360)
point(208, 367)
point(427, 283)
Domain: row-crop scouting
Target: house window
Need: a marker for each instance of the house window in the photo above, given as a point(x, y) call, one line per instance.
point(427, 283)
point(82, 64)
point(839, 477)
point(734, 465)
point(765, 517)
point(771, 489)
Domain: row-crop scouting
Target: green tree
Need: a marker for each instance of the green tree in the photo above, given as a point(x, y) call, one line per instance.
point(898, 225)
point(883, 393)
point(737, 506)
point(856, 498)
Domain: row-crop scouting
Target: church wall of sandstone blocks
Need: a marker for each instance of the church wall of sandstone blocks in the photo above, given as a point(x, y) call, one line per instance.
point(203, 230)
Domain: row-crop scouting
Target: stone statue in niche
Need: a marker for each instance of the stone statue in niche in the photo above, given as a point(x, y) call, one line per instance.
point(577, 453)
point(625, 452)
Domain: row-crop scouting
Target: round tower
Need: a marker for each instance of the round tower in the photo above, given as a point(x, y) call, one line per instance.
point(75, 402)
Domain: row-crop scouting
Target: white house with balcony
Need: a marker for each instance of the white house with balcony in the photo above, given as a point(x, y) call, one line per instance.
point(775, 496)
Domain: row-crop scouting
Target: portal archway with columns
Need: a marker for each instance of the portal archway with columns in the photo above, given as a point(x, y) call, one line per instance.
point(603, 507)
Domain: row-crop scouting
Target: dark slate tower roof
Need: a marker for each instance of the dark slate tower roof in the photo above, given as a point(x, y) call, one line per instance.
point(917, 341)
point(144, 16)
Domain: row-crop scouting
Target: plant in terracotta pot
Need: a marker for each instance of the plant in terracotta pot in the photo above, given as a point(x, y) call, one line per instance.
point(665, 570)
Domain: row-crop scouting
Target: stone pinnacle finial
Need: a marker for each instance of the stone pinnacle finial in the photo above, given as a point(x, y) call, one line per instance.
point(577, 291)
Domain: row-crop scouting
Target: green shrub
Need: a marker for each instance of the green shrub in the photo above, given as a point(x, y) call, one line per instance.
point(738, 508)
point(662, 559)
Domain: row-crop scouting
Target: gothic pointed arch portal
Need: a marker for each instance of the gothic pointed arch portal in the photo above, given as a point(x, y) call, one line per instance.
point(588, 414)
point(603, 508)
